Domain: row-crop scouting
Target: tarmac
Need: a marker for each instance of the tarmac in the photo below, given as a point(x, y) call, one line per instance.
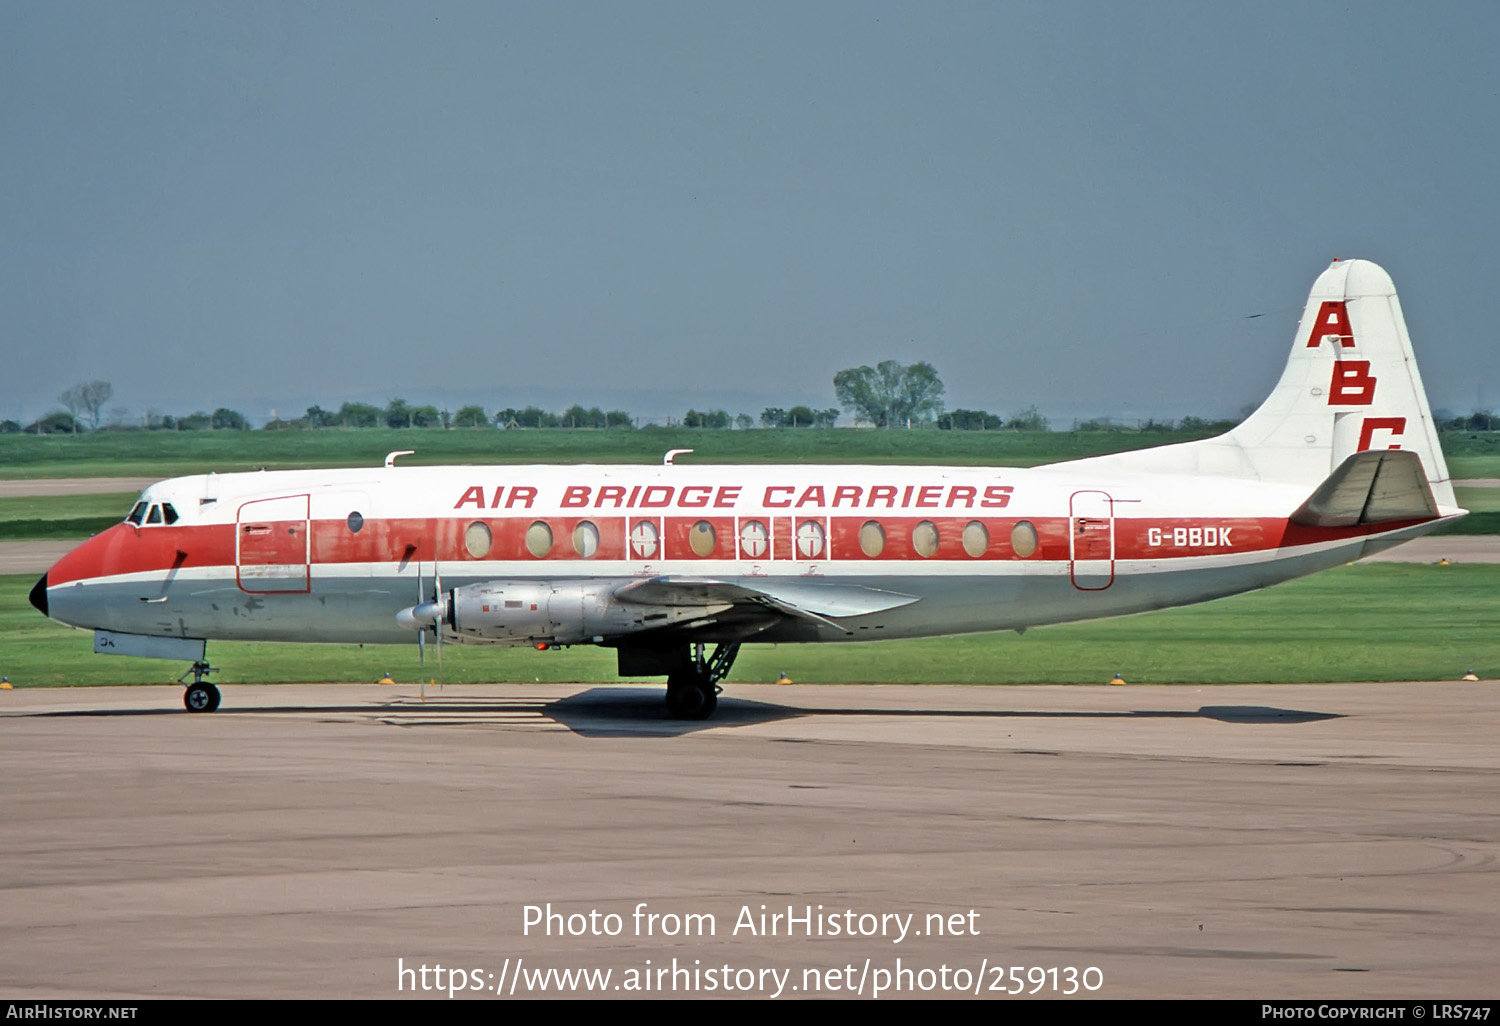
point(336, 841)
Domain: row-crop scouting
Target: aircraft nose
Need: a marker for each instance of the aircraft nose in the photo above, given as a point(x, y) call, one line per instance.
point(39, 595)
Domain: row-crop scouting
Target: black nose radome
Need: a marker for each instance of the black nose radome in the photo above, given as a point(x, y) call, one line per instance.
point(39, 594)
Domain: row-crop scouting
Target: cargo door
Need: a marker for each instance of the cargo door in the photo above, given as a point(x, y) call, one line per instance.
point(272, 546)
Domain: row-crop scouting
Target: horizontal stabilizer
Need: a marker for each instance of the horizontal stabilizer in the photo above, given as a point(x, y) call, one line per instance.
point(816, 602)
point(1373, 487)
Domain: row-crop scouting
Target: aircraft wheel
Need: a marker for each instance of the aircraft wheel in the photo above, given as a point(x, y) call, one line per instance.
point(201, 697)
point(691, 698)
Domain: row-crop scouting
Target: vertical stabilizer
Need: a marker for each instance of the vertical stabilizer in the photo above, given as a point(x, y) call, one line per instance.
point(1350, 385)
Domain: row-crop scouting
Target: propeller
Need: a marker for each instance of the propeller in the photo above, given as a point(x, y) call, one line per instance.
point(427, 613)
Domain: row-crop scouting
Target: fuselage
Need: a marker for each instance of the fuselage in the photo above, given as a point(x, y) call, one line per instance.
point(334, 555)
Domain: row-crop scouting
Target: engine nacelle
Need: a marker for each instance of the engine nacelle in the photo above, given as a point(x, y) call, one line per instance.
point(563, 612)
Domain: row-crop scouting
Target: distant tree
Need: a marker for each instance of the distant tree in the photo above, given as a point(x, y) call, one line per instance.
point(774, 417)
point(533, 417)
point(55, 423)
point(470, 417)
point(228, 420)
point(198, 421)
point(9, 427)
point(890, 394)
point(970, 420)
point(277, 424)
point(89, 399)
point(801, 416)
point(714, 419)
point(744, 421)
point(576, 416)
point(618, 419)
point(1479, 420)
point(397, 414)
point(360, 415)
point(1028, 420)
point(317, 417)
point(426, 417)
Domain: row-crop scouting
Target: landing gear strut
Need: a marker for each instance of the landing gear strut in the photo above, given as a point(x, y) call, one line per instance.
point(201, 696)
point(693, 690)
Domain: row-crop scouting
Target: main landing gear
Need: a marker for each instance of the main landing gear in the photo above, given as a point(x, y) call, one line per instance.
point(693, 690)
point(201, 696)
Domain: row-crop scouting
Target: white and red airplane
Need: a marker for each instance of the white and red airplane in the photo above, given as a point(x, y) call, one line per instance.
point(659, 562)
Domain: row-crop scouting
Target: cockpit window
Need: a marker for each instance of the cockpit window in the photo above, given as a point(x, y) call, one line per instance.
point(138, 514)
point(154, 517)
point(168, 513)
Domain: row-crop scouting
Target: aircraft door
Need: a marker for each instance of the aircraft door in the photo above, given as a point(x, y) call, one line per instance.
point(272, 545)
point(1091, 540)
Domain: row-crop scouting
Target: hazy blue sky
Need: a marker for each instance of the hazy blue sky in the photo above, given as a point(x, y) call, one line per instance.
point(662, 205)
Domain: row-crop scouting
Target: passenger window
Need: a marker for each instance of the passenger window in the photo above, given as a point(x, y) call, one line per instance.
point(539, 539)
point(702, 538)
point(924, 539)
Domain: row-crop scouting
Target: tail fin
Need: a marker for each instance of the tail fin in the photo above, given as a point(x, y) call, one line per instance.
point(1350, 385)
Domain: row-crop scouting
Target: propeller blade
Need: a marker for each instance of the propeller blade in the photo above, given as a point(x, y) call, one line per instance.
point(441, 603)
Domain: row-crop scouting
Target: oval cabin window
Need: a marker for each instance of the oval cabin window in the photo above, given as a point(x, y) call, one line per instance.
point(976, 539)
point(701, 538)
point(924, 539)
point(586, 539)
point(871, 539)
point(1023, 539)
point(643, 539)
point(478, 539)
point(539, 539)
point(754, 539)
point(810, 539)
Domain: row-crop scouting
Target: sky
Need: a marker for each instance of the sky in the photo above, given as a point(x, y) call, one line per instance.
point(1081, 207)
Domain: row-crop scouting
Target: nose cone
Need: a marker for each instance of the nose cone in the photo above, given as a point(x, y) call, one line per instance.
point(39, 595)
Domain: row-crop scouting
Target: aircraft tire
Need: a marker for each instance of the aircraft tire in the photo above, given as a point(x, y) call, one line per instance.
point(201, 697)
point(690, 697)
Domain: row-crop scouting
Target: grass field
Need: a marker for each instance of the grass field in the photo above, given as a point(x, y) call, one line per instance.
point(165, 453)
point(1366, 622)
point(35, 517)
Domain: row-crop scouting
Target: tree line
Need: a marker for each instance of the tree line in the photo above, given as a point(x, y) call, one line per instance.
point(888, 395)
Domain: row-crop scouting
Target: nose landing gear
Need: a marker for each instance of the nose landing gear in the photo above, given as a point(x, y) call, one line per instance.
point(200, 696)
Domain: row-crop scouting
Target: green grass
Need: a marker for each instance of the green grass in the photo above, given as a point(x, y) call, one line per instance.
point(1479, 500)
point(36, 517)
point(165, 454)
point(1473, 466)
point(1483, 505)
point(1365, 622)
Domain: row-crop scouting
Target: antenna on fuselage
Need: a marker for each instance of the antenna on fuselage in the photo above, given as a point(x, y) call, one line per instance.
point(391, 457)
point(672, 454)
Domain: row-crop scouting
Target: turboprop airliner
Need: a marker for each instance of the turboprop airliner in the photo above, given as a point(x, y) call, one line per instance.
point(662, 562)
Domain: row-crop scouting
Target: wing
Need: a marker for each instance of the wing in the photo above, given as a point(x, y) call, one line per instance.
point(821, 604)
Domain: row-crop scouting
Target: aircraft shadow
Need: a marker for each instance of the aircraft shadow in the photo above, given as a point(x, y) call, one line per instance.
point(635, 712)
point(619, 712)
